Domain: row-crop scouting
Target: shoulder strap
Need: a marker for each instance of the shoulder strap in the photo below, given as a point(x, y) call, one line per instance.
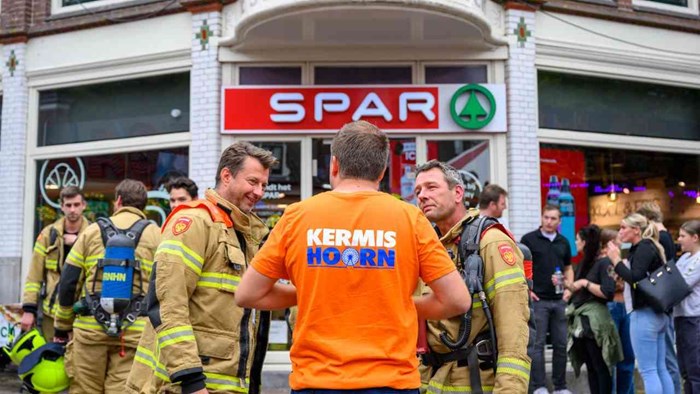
point(136, 230)
point(471, 235)
point(107, 229)
point(53, 235)
point(217, 214)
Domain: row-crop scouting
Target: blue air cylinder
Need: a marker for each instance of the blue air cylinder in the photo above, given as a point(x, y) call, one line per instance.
point(118, 273)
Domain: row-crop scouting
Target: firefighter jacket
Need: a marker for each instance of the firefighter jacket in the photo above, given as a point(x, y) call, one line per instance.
point(507, 295)
point(80, 271)
point(45, 268)
point(198, 337)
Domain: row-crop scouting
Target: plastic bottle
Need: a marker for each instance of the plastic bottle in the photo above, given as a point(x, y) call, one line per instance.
point(568, 215)
point(553, 192)
point(559, 287)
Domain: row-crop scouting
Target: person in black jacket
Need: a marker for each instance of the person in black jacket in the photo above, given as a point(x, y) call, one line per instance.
point(593, 284)
point(647, 327)
point(652, 212)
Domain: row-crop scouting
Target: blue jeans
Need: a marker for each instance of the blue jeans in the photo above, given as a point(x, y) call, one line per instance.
point(648, 332)
point(671, 358)
point(549, 317)
point(623, 376)
point(378, 390)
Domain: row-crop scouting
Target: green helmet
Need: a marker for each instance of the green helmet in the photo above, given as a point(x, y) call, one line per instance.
point(18, 348)
point(43, 370)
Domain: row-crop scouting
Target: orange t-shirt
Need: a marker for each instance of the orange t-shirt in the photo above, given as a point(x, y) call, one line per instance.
point(355, 259)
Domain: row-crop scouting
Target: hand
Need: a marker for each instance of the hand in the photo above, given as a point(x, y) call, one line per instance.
point(566, 296)
point(613, 253)
point(534, 296)
point(27, 321)
point(202, 391)
point(578, 285)
point(60, 340)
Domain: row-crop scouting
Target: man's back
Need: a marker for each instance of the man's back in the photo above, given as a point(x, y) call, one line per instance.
point(355, 259)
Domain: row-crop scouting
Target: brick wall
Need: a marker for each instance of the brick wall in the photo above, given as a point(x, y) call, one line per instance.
point(12, 159)
point(523, 148)
point(205, 101)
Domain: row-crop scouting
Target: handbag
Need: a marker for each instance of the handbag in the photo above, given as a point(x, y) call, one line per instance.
point(664, 288)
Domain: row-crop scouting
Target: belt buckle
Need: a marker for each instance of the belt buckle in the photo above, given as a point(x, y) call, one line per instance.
point(484, 348)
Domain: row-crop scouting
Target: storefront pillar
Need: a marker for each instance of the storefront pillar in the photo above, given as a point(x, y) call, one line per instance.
point(12, 161)
point(523, 148)
point(205, 97)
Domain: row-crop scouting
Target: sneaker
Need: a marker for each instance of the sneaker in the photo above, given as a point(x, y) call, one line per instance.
point(541, 390)
point(565, 391)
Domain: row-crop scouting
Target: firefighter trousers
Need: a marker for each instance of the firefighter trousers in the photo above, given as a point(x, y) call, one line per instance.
point(97, 368)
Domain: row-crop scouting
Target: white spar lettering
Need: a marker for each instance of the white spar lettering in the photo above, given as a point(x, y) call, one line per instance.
point(288, 109)
point(341, 237)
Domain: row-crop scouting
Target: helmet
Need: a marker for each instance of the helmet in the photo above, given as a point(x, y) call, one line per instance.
point(17, 349)
point(43, 371)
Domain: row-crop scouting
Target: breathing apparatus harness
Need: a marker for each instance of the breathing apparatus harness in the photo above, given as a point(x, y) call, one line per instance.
point(115, 308)
point(482, 353)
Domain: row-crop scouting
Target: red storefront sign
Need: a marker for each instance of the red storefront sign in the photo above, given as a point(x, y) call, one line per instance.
point(329, 108)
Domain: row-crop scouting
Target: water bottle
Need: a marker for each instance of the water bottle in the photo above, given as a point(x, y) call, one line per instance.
point(553, 192)
point(559, 287)
point(568, 215)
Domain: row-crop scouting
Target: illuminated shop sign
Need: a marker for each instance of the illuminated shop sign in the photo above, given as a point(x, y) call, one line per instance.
point(430, 108)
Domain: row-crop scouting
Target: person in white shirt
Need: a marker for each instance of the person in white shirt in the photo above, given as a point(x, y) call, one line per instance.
point(687, 313)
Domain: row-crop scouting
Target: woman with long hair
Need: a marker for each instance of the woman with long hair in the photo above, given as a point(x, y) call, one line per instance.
point(687, 313)
point(647, 326)
point(595, 338)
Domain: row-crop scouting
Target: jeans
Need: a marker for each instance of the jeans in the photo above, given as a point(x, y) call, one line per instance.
point(623, 376)
point(648, 331)
point(549, 317)
point(671, 358)
point(378, 390)
point(688, 340)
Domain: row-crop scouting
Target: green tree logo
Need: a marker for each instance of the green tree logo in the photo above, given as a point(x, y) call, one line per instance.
point(473, 116)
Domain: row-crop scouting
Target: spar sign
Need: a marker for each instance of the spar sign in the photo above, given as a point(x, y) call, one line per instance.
point(309, 109)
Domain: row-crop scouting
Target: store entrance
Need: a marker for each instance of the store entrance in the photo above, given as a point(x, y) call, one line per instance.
point(398, 180)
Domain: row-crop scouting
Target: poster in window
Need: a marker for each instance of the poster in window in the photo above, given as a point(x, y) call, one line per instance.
point(563, 183)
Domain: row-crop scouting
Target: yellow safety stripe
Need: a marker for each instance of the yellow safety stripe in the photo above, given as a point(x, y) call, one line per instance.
point(217, 381)
point(438, 388)
point(514, 366)
point(89, 323)
point(219, 281)
point(32, 287)
point(145, 356)
point(147, 265)
point(175, 335)
point(51, 264)
point(39, 248)
point(53, 310)
point(188, 256)
point(92, 260)
point(76, 258)
point(504, 278)
point(64, 313)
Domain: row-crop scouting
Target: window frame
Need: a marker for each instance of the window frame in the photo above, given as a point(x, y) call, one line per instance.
point(57, 7)
point(690, 9)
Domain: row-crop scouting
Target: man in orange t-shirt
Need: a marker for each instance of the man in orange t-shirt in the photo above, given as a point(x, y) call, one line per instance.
point(355, 256)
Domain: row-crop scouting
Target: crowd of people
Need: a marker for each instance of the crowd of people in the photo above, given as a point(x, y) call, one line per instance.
point(388, 297)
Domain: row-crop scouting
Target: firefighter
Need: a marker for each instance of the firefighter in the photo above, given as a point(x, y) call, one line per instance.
point(50, 250)
point(98, 359)
point(505, 368)
point(198, 340)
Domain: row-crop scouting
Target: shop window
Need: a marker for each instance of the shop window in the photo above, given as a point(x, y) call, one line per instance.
point(602, 186)
point(471, 158)
point(366, 75)
point(580, 103)
point(455, 74)
point(114, 110)
point(283, 188)
point(399, 179)
point(269, 75)
point(99, 175)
